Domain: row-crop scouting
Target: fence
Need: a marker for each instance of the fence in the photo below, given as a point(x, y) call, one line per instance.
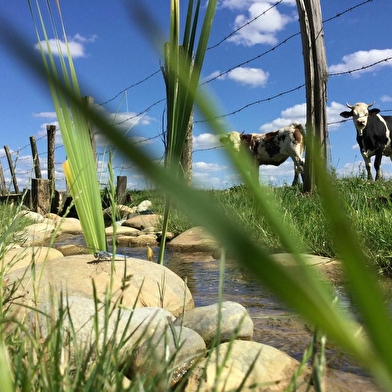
point(42, 197)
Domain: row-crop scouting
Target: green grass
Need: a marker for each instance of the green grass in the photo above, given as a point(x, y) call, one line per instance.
point(371, 217)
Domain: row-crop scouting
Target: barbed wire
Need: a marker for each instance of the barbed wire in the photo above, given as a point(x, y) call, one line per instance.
point(260, 101)
point(244, 25)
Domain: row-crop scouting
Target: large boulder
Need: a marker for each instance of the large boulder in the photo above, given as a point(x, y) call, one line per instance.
point(137, 282)
point(258, 366)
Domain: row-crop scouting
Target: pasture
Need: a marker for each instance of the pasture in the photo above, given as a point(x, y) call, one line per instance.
point(366, 204)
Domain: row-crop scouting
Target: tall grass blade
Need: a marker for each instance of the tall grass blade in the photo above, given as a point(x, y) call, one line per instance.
point(181, 74)
point(80, 168)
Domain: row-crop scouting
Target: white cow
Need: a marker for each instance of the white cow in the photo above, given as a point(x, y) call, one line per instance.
point(373, 134)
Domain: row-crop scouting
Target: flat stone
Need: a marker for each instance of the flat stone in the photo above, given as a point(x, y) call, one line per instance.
point(143, 221)
point(196, 239)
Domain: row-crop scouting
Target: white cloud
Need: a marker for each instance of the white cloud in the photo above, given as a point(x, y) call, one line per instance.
point(288, 116)
point(254, 77)
point(386, 98)
point(297, 113)
point(363, 58)
point(208, 167)
point(48, 115)
point(75, 46)
point(205, 140)
point(265, 19)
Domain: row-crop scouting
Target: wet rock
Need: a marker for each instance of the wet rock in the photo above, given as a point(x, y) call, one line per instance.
point(235, 322)
point(196, 239)
point(138, 282)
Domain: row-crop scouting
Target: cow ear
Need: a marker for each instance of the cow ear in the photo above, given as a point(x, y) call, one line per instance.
point(374, 111)
point(346, 114)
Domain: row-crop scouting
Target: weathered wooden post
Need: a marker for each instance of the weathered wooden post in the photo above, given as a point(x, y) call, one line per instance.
point(34, 152)
point(121, 189)
point(2, 181)
point(41, 195)
point(316, 75)
point(12, 169)
point(51, 133)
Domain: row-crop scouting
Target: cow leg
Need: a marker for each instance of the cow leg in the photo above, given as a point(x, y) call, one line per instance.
point(296, 179)
point(299, 168)
point(368, 166)
point(377, 164)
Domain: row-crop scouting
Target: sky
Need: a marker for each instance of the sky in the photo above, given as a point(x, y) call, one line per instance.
point(253, 69)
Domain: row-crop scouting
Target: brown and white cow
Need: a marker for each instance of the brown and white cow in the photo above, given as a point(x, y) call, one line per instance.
point(273, 148)
point(373, 134)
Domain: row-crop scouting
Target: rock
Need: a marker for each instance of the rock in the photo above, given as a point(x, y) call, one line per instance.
point(138, 282)
point(196, 239)
point(21, 257)
point(36, 233)
point(132, 326)
point(139, 241)
point(141, 222)
point(271, 369)
point(122, 230)
point(144, 206)
point(121, 211)
point(174, 348)
point(33, 216)
point(235, 323)
point(69, 225)
point(329, 268)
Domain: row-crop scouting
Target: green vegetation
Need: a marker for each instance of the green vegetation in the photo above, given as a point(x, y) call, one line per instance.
point(365, 203)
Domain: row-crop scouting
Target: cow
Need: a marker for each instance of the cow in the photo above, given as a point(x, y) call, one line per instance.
point(373, 134)
point(272, 148)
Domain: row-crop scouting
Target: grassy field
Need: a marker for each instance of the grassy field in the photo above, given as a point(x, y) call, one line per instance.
point(366, 203)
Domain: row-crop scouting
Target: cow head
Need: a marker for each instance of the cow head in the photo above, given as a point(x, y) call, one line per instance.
point(234, 138)
point(359, 112)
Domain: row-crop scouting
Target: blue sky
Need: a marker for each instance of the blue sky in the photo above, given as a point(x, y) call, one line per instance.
point(118, 66)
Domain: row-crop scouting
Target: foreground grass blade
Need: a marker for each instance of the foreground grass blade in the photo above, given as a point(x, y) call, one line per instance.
point(81, 169)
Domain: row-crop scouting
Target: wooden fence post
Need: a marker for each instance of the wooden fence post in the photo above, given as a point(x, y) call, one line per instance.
point(2, 181)
point(51, 133)
point(12, 170)
point(34, 152)
point(41, 195)
point(121, 189)
point(316, 75)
